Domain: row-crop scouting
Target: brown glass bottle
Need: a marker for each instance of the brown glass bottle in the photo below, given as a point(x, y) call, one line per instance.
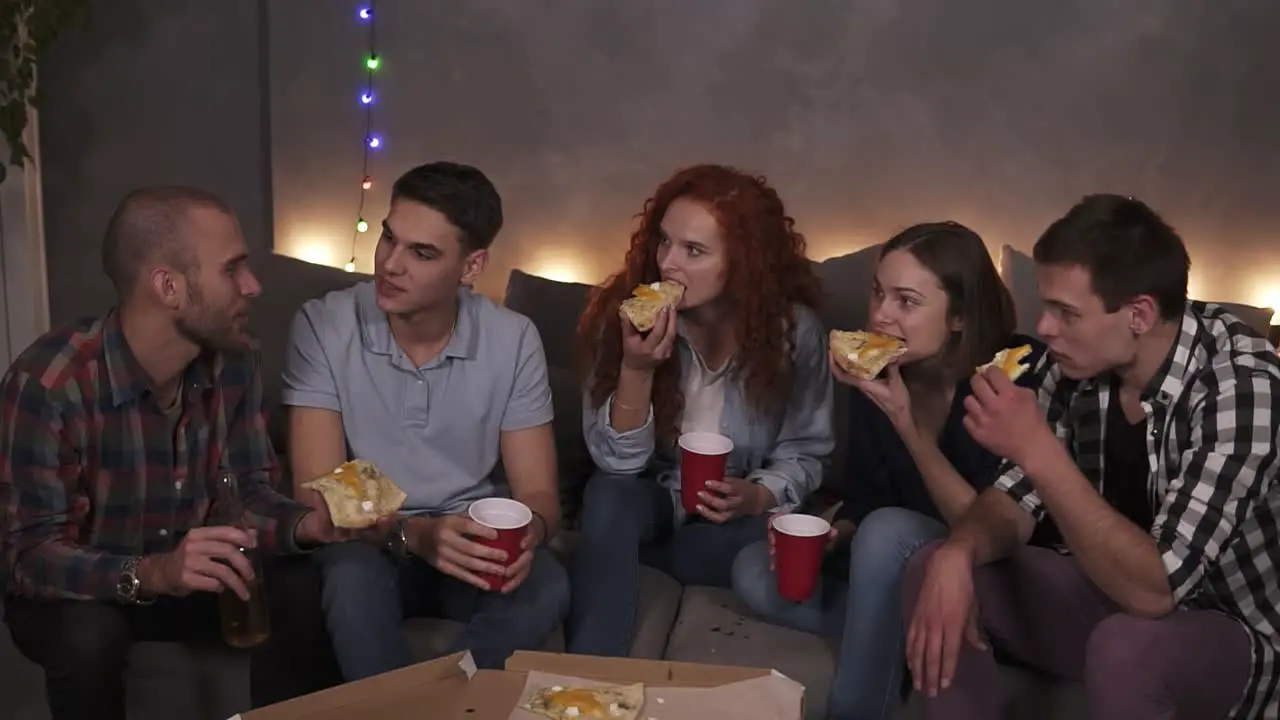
point(245, 623)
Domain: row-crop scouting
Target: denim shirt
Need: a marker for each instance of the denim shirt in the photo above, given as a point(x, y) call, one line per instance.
point(785, 454)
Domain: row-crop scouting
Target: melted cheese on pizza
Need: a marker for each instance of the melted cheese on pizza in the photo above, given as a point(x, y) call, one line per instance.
point(584, 700)
point(1009, 361)
point(882, 342)
point(646, 292)
point(349, 474)
point(1013, 358)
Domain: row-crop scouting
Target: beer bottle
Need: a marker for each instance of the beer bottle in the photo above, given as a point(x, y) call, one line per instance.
point(245, 623)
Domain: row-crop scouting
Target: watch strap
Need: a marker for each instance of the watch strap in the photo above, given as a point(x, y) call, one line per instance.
point(129, 588)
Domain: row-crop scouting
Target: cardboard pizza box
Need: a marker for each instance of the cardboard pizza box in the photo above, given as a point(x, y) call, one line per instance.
point(436, 684)
point(451, 687)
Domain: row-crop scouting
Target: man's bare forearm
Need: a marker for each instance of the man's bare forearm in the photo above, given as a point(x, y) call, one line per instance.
point(993, 528)
point(317, 445)
point(1121, 558)
point(546, 505)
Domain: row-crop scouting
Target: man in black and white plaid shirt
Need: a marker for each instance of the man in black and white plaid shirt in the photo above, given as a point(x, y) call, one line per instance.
point(1152, 480)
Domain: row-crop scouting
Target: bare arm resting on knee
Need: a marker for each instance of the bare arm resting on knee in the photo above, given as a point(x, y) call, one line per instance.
point(1121, 558)
point(1042, 476)
point(992, 529)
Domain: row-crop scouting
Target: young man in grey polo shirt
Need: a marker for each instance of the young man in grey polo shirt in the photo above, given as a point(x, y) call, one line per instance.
point(434, 384)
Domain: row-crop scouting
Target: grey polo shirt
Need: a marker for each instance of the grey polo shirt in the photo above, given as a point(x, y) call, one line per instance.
point(434, 429)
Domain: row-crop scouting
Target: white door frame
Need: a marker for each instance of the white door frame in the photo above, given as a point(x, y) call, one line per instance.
point(24, 302)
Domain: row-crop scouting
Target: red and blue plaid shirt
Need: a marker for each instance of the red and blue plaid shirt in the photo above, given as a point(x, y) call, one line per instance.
point(93, 472)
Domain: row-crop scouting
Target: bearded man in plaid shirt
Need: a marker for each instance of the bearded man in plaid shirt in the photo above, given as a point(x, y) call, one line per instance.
point(1152, 480)
point(112, 431)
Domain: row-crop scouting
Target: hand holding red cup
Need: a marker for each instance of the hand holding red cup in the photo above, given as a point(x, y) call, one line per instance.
point(510, 520)
point(799, 543)
point(704, 456)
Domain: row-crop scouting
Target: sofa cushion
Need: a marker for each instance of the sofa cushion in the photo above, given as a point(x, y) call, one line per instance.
point(846, 283)
point(286, 284)
point(575, 463)
point(846, 287)
point(1258, 318)
point(659, 603)
point(715, 628)
point(554, 307)
point(1018, 271)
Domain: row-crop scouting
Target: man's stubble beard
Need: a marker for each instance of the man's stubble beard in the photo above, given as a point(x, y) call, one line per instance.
point(203, 328)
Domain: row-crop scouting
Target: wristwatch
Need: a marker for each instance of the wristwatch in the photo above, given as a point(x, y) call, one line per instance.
point(397, 543)
point(128, 587)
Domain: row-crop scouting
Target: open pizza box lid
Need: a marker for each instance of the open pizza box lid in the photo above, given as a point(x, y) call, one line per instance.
point(451, 687)
point(437, 685)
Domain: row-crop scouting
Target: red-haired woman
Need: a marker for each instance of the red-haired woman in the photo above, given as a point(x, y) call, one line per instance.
point(742, 355)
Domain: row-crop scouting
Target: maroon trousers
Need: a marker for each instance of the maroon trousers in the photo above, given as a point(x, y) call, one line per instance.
point(1039, 606)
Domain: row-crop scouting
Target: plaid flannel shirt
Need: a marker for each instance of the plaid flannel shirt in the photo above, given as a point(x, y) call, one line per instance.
point(1213, 419)
point(93, 472)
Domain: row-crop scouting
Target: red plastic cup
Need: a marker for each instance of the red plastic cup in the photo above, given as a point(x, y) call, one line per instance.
point(799, 542)
point(703, 456)
point(510, 518)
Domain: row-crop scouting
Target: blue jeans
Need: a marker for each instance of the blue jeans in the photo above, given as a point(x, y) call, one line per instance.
point(366, 594)
point(865, 612)
point(628, 520)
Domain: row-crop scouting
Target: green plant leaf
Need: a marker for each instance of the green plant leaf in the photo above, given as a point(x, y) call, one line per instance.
point(27, 29)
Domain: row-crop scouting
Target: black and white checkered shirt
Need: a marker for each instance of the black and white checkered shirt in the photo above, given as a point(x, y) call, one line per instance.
point(1213, 415)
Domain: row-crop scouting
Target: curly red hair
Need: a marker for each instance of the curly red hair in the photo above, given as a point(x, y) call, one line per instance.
point(768, 273)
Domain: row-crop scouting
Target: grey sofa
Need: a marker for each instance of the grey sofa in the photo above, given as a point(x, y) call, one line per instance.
point(694, 624)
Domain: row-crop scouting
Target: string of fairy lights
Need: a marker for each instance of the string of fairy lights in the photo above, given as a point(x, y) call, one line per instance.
point(367, 14)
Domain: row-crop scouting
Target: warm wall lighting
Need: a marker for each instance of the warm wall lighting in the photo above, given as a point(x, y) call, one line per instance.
point(1270, 298)
point(826, 251)
point(562, 266)
point(314, 251)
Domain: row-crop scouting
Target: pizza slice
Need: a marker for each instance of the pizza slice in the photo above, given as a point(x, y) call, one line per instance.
point(358, 494)
point(646, 300)
point(1010, 362)
point(864, 354)
point(611, 702)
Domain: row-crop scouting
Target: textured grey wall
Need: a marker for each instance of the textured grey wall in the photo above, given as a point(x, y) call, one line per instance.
point(868, 115)
point(151, 91)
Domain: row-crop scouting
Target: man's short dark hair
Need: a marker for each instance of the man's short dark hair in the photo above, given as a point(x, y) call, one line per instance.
point(1127, 249)
point(147, 227)
point(459, 192)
